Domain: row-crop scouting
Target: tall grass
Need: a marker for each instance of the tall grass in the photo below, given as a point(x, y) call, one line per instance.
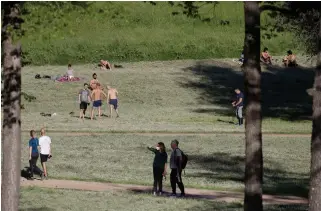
point(136, 31)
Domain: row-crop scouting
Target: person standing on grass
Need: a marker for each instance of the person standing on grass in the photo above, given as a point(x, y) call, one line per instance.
point(84, 99)
point(176, 169)
point(159, 167)
point(238, 104)
point(34, 155)
point(112, 98)
point(45, 150)
point(94, 82)
point(96, 96)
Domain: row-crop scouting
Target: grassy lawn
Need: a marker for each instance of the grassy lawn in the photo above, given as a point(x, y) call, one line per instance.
point(216, 161)
point(138, 31)
point(38, 199)
point(171, 96)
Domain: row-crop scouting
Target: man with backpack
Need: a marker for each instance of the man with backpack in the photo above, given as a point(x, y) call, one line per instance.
point(178, 162)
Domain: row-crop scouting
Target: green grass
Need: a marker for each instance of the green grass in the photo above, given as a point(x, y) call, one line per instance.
point(38, 199)
point(216, 161)
point(137, 31)
point(168, 96)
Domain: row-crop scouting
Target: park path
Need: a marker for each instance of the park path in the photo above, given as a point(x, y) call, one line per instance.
point(191, 192)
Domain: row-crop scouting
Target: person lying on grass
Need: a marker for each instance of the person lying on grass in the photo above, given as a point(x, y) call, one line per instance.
point(105, 65)
point(159, 167)
point(112, 98)
point(266, 57)
point(96, 97)
point(290, 60)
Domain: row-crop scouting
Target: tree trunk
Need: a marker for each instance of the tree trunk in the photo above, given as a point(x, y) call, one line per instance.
point(253, 117)
point(11, 130)
point(315, 170)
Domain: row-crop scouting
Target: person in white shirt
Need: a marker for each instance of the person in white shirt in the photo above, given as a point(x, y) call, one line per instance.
point(45, 150)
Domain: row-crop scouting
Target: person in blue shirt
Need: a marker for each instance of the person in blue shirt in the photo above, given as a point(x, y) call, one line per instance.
point(34, 154)
point(238, 104)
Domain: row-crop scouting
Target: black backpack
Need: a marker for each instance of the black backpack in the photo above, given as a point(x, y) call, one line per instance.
point(184, 159)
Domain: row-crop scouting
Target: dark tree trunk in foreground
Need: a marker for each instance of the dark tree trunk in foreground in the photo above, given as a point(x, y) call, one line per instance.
point(11, 138)
point(253, 117)
point(315, 174)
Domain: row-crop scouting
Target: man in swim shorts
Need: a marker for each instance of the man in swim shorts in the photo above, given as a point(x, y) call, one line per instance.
point(112, 98)
point(96, 97)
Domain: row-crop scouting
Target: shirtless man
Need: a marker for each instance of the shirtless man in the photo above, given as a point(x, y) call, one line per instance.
point(112, 99)
point(290, 60)
point(96, 96)
point(105, 65)
point(94, 82)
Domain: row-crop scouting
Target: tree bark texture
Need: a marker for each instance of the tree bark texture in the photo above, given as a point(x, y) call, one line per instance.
point(253, 117)
point(11, 129)
point(315, 169)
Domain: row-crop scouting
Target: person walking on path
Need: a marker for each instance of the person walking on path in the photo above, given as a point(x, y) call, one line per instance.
point(45, 150)
point(34, 155)
point(176, 169)
point(238, 104)
point(159, 167)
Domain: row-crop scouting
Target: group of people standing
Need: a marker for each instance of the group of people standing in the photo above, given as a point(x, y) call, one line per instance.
point(93, 92)
point(39, 147)
point(160, 168)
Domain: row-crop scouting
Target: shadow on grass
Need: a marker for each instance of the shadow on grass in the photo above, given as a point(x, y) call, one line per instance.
point(223, 206)
point(284, 92)
point(223, 167)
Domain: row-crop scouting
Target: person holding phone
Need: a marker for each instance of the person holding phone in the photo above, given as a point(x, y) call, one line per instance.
point(159, 167)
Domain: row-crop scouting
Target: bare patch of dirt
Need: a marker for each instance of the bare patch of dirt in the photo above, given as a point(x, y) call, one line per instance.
point(191, 192)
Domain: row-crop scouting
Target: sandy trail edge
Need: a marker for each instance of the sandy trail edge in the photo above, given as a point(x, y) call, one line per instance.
point(191, 192)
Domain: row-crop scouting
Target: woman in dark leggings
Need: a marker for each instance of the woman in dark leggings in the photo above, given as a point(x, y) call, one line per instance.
point(159, 167)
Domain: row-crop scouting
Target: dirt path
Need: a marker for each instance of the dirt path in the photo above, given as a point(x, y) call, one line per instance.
point(161, 133)
point(191, 192)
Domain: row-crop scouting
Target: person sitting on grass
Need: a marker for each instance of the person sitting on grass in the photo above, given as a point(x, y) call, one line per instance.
point(105, 65)
point(159, 167)
point(70, 73)
point(266, 57)
point(290, 60)
point(112, 98)
point(96, 97)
